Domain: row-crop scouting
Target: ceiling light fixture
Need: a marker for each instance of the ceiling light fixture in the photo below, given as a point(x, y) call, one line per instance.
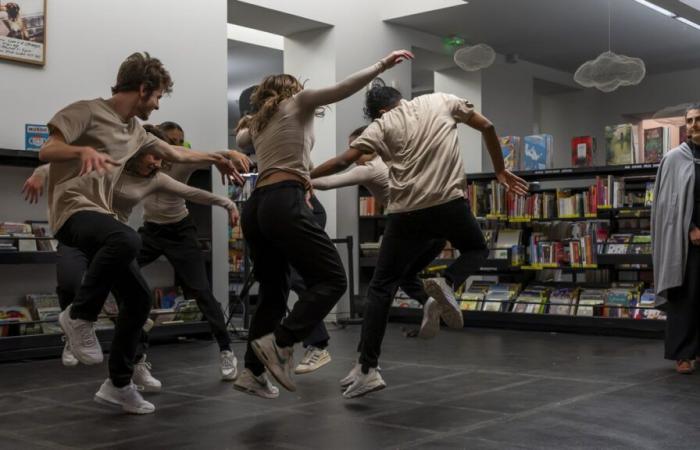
point(656, 8)
point(690, 23)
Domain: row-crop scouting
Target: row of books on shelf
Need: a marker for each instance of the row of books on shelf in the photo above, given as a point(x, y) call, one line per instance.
point(243, 193)
point(370, 207)
point(38, 314)
point(620, 300)
point(28, 236)
point(626, 143)
point(491, 200)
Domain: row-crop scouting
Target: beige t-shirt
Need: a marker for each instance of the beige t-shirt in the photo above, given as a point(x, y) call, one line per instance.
point(90, 123)
point(418, 140)
point(163, 207)
point(131, 189)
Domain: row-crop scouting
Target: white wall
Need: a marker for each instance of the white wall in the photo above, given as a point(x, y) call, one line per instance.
point(87, 41)
point(468, 86)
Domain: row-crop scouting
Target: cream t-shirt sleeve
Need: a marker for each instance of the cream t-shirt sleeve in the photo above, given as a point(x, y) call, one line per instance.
point(372, 141)
point(169, 185)
point(460, 108)
point(72, 121)
point(353, 177)
point(42, 171)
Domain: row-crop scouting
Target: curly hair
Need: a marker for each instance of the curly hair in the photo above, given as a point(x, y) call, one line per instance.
point(378, 98)
point(142, 69)
point(266, 99)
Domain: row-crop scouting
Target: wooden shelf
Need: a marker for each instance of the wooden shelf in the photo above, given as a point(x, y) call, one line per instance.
point(549, 322)
point(19, 158)
point(574, 173)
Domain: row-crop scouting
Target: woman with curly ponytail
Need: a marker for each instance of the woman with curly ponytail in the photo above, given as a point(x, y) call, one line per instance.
point(279, 225)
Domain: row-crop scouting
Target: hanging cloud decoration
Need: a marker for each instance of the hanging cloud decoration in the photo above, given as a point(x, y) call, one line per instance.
point(609, 71)
point(475, 57)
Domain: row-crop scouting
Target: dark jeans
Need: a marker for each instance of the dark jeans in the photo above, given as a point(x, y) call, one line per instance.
point(683, 312)
point(111, 247)
point(178, 242)
point(319, 337)
point(409, 244)
point(281, 231)
point(71, 265)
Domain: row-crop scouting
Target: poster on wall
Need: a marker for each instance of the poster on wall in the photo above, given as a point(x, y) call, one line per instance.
point(23, 31)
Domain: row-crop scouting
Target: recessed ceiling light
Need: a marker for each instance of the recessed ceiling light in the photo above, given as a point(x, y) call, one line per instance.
point(688, 22)
point(656, 8)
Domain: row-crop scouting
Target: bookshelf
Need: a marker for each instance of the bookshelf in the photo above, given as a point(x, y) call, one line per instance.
point(605, 272)
point(15, 345)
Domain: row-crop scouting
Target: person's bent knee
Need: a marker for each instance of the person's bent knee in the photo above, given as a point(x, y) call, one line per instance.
point(126, 243)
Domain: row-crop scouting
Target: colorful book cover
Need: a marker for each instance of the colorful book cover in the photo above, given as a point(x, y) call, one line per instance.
point(653, 144)
point(538, 152)
point(582, 149)
point(35, 136)
point(619, 140)
point(510, 147)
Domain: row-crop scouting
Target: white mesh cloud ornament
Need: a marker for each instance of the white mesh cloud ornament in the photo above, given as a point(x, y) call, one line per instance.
point(475, 57)
point(609, 71)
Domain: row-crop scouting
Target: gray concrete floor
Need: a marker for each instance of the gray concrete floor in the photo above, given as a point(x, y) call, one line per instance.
point(471, 389)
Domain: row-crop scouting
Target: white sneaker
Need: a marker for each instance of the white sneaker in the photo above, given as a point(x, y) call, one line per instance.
point(67, 357)
point(352, 376)
point(143, 379)
point(313, 359)
point(365, 383)
point(80, 334)
point(445, 296)
point(127, 397)
point(430, 325)
point(228, 365)
point(260, 386)
point(278, 361)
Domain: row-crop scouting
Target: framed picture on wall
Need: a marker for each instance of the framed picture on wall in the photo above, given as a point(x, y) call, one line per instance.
point(23, 31)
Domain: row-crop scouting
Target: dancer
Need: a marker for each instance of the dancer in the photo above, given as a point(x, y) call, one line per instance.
point(279, 226)
point(81, 185)
point(418, 140)
point(372, 173)
point(169, 230)
point(141, 177)
point(675, 218)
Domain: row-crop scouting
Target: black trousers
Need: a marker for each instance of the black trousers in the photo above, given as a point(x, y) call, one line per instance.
point(281, 231)
point(409, 244)
point(683, 312)
point(319, 337)
point(111, 248)
point(178, 243)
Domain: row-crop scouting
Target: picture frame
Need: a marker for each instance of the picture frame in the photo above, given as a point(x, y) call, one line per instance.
point(23, 31)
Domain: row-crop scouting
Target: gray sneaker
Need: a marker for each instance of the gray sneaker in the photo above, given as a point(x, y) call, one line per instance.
point(127, 397)
point(67, 357)
point(372, 381)
point(228, 365)
point(80, 335)
point(143, 378)
point(445, 296)
point(278, 361)
point(260, 386)
point(351, 377)
point(314, 359)
point(430, 325)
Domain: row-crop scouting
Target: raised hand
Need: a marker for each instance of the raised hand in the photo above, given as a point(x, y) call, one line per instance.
point(228, 171)
point(512, 182)
point(396, 57)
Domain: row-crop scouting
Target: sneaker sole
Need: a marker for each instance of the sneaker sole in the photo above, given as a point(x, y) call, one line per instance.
point(369, 391)
point(230, 377)
point(309, 369)
point(70, 364)
point(450, 314)
point(88, 361)
point(273, 369)
point(150, 389)
point(113, 404)
point(430, 326)
point(255, 393)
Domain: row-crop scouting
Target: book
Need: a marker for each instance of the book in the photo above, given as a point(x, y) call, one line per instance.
point(655, 144)
point(511, 149)
point(165, 297)
point(42, 230)
point(582, 149)
point(471, 301)
point(620, 144)
point(49, 314)
point(562, 301)
point(538, 152)
point(11, 317)
point(35, 136)
point(187, 310)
